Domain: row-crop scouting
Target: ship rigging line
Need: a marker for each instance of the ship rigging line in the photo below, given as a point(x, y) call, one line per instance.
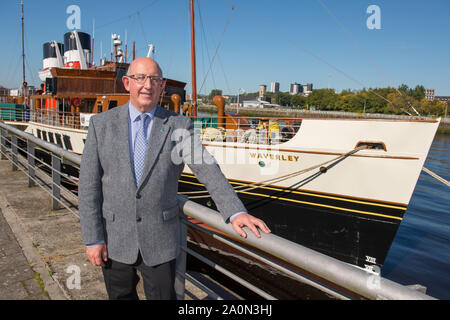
point(205, 41)
point(256, 185)
point(218, 46)
point(218, 55)
point(371, 60)
point(142, 27)
point(295, 44)
point(357, 43)
point(128, 16)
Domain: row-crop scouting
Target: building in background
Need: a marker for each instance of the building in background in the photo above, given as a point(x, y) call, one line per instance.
point(274, 87)
point(257, 103)
point(307, 89)
point(262, 91)
point(429, 94)
point(442, 98)
point(295, 88)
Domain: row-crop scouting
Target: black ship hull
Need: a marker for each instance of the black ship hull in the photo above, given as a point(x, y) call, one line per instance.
point(356, 231)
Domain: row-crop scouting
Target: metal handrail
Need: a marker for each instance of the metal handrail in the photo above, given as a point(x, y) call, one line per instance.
point(354, 279)
point(64, 154)
point(29, 167)
point(270, 263)
point(65, 119)
point(362, 282)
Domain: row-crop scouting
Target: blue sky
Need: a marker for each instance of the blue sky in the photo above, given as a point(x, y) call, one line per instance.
point(285, 41)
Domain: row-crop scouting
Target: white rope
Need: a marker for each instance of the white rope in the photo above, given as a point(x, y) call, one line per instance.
point(255, 185)
point(434, 175)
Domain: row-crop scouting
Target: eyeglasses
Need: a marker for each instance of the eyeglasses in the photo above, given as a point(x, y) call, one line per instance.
point(141, 78)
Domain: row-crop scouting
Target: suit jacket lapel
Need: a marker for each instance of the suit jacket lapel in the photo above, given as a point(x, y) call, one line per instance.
point(158, 135)
point(122, 139)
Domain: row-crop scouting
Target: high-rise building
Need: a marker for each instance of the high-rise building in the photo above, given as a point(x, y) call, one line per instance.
point(295, 88)
point(307, 89)
point(429, 94)
point(274, 87)
point(262, 91)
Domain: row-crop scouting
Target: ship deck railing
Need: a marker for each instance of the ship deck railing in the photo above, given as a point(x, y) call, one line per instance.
point(252, 130)
point(20, 148)
point(70, 120)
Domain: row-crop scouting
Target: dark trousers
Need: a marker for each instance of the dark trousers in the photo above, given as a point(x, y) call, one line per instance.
point(121, 280)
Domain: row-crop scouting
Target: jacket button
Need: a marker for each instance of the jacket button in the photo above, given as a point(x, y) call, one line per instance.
point(138, 196)
point(138, 219)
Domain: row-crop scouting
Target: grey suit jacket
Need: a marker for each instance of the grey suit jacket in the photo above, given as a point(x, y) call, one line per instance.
point(130, 218)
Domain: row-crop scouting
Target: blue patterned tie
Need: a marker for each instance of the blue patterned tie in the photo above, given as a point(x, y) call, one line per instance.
point(140, 147)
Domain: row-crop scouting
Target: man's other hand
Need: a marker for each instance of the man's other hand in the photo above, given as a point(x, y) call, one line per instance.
point(97, 255)
point(249, 221)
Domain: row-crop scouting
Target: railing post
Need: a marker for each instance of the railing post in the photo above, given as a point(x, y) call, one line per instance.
point(56, 177)
point(14, 152)
point(31, 164)
point(181, 260)
point(3, 143)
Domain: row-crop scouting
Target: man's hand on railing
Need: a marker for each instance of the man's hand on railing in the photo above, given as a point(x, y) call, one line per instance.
point(247, 220)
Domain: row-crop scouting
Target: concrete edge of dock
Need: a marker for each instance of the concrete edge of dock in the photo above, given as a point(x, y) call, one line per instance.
point(51, 286)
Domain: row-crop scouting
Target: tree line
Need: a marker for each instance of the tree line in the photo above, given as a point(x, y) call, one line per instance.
point(401, 100)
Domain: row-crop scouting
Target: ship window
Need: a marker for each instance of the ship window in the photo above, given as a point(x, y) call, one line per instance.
point(58, 139)
point(112, 104)
point(39, 133)
point(50, 137)
point(44, 135)
point(372, 145)
point(67, 143)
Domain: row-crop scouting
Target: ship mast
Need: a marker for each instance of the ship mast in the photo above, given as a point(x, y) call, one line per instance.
point(194, 77)
point(23, 53)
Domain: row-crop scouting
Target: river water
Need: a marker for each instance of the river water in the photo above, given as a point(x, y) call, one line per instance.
point(420, 253)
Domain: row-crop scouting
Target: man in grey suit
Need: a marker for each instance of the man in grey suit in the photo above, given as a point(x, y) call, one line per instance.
point(128, 187)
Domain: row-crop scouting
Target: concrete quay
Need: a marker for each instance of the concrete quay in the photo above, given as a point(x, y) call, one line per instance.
point(41, 253)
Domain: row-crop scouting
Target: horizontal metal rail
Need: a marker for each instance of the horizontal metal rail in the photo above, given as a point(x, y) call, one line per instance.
point(55, 149)
point(354, 279)
point(345, 275)
point(229, 274)
point(269, 262)
point(44, 116)
point(200, 285)
point(31, 166)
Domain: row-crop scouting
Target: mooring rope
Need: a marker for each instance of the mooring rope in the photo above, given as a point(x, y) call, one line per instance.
point(434, 175)
point(254, 185)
